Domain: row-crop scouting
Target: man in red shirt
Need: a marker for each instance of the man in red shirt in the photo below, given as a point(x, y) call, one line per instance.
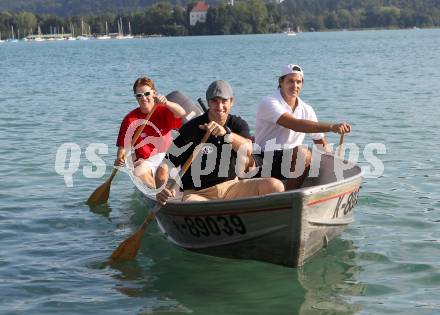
point(153, 142)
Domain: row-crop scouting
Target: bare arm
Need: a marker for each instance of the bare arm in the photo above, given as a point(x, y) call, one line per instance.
point(162, 175)
point(324, 143)
point(120, 157)
point(236, 140)
point(175, 108)
point(308, 126)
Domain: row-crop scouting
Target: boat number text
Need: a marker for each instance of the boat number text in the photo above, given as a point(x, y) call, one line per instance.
point(211, 225)
point(347, 206)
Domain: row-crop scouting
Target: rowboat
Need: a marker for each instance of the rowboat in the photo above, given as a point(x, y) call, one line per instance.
point(281, 228)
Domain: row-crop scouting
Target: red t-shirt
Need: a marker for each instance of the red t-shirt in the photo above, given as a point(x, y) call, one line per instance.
point(156, 136)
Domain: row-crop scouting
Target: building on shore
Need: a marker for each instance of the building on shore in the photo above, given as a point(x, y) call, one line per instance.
point(198, 13)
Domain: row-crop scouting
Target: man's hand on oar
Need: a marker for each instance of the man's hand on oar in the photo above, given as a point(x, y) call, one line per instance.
point(128, 249)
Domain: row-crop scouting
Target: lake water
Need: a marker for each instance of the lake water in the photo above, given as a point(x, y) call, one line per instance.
point(53, 248)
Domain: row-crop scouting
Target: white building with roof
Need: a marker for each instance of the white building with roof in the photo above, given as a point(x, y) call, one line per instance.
point(198, 13)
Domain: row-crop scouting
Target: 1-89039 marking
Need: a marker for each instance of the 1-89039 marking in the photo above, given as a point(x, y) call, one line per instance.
point(211, 225)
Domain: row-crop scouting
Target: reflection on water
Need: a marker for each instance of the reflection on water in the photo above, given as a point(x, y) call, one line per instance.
point(330, 276)
point(103, 209)
point(172, 280)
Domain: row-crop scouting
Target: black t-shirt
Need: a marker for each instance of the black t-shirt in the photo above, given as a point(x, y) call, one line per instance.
point(215, 162)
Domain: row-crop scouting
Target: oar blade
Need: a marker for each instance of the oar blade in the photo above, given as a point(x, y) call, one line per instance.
point(128, 249)
point(100, 195)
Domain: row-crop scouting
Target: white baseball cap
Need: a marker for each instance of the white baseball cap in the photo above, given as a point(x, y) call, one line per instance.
point(291, 68)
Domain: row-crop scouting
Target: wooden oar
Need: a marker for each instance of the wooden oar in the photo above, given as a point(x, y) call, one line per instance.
point(341, 142)
point(128, 249)
point(101, 194)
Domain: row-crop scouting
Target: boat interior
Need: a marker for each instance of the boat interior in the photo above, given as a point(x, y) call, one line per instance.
point(331, 170)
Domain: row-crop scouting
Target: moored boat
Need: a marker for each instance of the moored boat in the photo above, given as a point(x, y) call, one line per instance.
point(290, 32)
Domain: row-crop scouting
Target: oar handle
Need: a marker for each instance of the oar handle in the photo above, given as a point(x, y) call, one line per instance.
point(341, 142)
point(172, 183)
point(194, 153)
point(341, 139)
point(150, 217)
point(115, 170)
point(141, 128)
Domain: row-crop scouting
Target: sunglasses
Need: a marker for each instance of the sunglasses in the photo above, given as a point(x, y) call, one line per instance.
point(139, 95)
point(296, 68)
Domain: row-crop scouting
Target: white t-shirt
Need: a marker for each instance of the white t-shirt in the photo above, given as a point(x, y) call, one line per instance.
point(268, 134)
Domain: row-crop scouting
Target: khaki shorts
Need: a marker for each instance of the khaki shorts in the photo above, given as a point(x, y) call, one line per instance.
point(231, 189)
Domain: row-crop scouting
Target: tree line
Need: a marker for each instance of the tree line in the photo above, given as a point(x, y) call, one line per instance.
point(245, 17)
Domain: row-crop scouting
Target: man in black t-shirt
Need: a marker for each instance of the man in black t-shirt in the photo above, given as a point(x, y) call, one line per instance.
point(213, 174)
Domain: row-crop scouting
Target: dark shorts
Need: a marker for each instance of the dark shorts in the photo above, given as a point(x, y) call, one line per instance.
point(273, 170)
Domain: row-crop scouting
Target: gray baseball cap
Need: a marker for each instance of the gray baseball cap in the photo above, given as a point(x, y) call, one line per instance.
point(219, 88)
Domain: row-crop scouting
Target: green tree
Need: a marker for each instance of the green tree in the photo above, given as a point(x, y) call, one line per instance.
point(258, 16)
point(274, 17)
point(50, 23)
point(314, 23)
point(331, 21)
point(179, 15)
point(137, 23)
point(156, 17)
point(388, 16)
point(27, 22)
point(5, 22)
point(218, 21)
point(345, 18)
point(239, 27)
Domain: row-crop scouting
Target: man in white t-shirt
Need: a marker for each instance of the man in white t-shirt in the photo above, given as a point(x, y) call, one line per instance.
point(282, 121)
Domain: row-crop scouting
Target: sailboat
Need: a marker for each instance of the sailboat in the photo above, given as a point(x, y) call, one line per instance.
point(105, 36)
point(290, 32)
point(13, 39)
point(120, 30)
point(72, 33)
point(38, 38)
point(1, 40)
point(129, 36)
point(82, 36)
point(59, 36)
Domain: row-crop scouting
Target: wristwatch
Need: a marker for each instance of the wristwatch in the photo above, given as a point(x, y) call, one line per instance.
point(228, 135)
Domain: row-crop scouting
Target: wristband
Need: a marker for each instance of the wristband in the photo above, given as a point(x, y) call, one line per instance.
point(227, 136)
